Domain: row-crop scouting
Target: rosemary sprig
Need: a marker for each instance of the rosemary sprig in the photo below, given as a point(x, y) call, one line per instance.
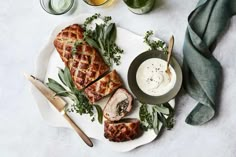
point(80, 103)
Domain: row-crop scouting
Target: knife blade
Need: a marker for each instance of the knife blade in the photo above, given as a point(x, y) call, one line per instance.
point(59, 104)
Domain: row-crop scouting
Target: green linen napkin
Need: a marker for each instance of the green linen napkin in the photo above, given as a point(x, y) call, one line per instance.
point(202, 71)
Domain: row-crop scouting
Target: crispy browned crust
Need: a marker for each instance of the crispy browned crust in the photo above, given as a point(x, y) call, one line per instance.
point(86, 65)
point(103, 87)
point(124, 130)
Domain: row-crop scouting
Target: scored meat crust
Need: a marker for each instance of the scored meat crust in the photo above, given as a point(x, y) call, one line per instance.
point(125, 130)
point(104, 86)
point(86, 64)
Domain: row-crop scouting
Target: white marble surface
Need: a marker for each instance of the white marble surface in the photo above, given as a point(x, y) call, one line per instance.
point(25, 28)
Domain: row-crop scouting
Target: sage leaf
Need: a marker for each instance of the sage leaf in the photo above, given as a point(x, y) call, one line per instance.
point(55, 86)
point(63, 94)
point(97, 31)
point(67, 78)
point(92, 43)
point(61, 76)
point(163, 120)
point(162, 109)
point(110, 34)
point(155, 123)
point(100, 113)
point(171, 110)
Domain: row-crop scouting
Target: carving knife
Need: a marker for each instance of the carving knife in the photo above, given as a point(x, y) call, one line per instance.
point(59, 104)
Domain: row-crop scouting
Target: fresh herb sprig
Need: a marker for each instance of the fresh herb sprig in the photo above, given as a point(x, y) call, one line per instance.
point(152, 115)
point(80, 104)
point(89, 20)
point(154, 44)
point(74, 48)
point(103, 38)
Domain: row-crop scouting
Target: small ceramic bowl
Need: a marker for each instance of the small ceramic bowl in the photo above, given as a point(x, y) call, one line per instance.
point(143, 97)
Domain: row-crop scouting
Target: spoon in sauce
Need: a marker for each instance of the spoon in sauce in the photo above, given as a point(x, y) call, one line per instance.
point(170, 48)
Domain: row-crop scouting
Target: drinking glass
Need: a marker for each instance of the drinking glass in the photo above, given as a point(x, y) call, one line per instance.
point(140, 6)
point(98, 2)
point(56, 7)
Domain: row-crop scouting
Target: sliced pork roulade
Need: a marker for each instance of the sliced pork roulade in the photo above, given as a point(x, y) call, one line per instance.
point(118, 105)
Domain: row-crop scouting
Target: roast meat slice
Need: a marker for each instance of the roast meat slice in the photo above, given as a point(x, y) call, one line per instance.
point(103, 87)
point(124, 130)
point(118, 105)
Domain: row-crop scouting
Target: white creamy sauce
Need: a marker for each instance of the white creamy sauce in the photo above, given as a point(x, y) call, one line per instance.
point(152, 78)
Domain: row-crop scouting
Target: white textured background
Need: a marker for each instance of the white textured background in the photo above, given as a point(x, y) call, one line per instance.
point(24, 29)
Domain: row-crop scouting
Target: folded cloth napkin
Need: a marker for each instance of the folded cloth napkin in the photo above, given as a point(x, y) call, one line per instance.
point(202, 71)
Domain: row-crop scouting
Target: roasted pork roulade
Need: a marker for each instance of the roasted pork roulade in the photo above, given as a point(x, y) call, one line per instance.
point(84, 62)
point(118, 105)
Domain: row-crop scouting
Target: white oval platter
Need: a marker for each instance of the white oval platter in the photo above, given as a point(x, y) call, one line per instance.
point(47, 65)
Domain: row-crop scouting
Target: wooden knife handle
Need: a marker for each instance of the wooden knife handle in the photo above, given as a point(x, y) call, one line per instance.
point(84, 137)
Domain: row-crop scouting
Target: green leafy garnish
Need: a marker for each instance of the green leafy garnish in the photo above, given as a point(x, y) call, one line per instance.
point(92, 43)
point(155, 122)
point(100, 113)
point(146, 117)
point(103, 38)
point(74, 49)
point(89, 20)
point(80, 104)
point(154, 44)
point(55, 86)
point(152, 115)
